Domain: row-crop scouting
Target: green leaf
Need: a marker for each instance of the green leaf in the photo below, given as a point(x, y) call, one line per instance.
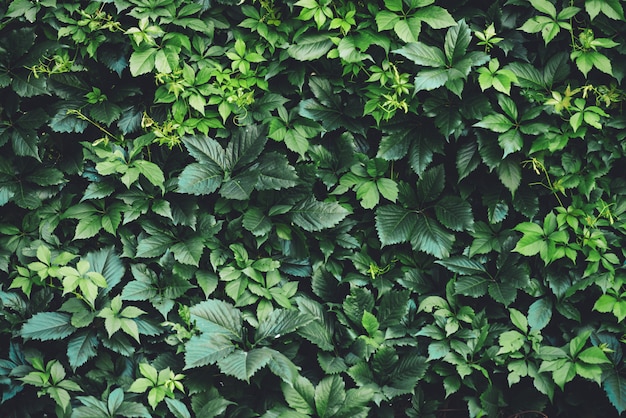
point(454, 213)
point(142, 61)
point(457, 40)
point(395, 224)
point(200, 179)
point(393, 307)
point(189, 251)
point(544, 6)
point(255, 221)
point(539, 314)
point(216, 316)
point(610, 8)
point(177, 408)
point(81, 347)
point(386, 20)
point(422, 54)
point(502, 293)
point(430, 79)
point(244, 147)
point(463, 265)
point(310, 47)
point(313, 215)
point(205, 349)
point(281, 322)
point(244, 364)
point(510, 174)
point(301, 395)
point(275, 173)
point(431, 184)
point(519, 320)
point(329, 396)
point(593, 355)
point(370, 323)
point(207, 150)
point(431, 238)
point(473, 286)
point(614, 384)
point(47, 326)
point(495, 122)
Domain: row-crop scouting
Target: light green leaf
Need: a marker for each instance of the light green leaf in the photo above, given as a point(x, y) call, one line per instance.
point(495, 123)
point(142, 61)
point(544, 6)
point(386, 20)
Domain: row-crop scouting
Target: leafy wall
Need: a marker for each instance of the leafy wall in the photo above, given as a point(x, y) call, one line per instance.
point(312, 209)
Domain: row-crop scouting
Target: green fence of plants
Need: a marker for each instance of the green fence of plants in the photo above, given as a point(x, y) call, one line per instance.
point(312, 208)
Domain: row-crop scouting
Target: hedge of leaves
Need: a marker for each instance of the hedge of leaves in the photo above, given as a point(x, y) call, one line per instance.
point(312, 208)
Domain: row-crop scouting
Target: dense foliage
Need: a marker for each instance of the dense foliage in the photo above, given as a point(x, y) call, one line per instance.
point(312, 208)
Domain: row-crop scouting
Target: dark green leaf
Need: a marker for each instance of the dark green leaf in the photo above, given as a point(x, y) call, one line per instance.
point(313, 215)
point(431, 238)
point(395, 224)
point(47, 326)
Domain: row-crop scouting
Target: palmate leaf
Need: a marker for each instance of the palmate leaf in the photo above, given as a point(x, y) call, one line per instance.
point(431, 238)
point(614, 384)
point(540, 313)
point(454, 213)
point(463, 265)
point(313, 215)
point(395, 224)
point(205, 349)
point(81, 347)
point(240, 186)
point(275, 172)
point(310, 47)
point(330, 395)
point(503, 293)
point(245, 146)
point(473, 286)
point(244, 364)
point(200, 179)
point(394, 305)
point(216, 316)
point(281, 322)
point(300, 396)
point(206, 150)
point(47, 326)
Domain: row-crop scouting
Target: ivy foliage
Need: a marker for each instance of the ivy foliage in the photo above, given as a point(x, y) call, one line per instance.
point(312, 208)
